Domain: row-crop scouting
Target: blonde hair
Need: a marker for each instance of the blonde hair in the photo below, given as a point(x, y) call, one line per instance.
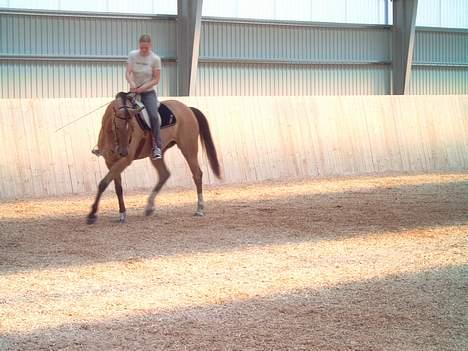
point(145, 38)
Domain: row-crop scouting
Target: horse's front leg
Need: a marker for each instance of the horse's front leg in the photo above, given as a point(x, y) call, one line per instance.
point(119, 192)
point(114, 173)
point(103, 184)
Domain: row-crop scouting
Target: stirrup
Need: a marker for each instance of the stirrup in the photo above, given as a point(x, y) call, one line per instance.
point(156, 154)
point(96, 152)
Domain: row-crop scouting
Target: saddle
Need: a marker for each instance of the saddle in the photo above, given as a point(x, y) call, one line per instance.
point(166, 117)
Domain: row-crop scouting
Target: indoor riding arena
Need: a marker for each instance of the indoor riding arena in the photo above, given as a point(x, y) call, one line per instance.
point(339, 220)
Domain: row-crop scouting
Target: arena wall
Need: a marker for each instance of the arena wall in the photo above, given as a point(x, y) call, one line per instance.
point(258, 138)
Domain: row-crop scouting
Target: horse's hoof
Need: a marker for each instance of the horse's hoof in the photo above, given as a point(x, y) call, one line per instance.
point(123, 218)
point(149, 211)
point(198, 214)
point(91, 219)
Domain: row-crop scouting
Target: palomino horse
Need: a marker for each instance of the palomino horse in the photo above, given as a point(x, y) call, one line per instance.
point(122, 140)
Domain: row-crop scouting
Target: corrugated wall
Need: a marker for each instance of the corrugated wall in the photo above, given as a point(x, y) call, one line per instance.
point(443, 13)
point(440, 64)
point(347, 11)
point(274, 58)
point(166, 7)
point(291, 79)
point(83, 55)
point(56, 79)
point(68, 56)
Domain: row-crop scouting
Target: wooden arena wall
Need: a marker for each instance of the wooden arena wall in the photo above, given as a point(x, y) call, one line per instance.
point(258, 138)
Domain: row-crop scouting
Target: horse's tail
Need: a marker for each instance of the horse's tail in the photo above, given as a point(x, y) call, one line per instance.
point(207, 141)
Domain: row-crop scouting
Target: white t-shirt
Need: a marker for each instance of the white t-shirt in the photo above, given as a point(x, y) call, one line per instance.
point(143, 66)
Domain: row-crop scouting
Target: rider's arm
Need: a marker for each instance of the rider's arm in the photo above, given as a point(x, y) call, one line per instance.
point(152, 82)
point(128, 76)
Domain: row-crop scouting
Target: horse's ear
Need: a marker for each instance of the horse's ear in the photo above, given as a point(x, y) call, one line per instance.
point(123, 94)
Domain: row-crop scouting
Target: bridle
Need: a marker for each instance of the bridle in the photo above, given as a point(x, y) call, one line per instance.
point(127, 118)
point(126, 97)
point(130, 97)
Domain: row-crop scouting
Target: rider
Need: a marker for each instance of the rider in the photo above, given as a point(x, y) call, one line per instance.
point(143, 74)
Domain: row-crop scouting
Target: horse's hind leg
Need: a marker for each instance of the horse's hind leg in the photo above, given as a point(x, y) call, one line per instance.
point(197, 178)
point(192, 160)
point(163, 174)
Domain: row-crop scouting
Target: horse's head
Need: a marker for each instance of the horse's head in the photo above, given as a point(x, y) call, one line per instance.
point(125, 109)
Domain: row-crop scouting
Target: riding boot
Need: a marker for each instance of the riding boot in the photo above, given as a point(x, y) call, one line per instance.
point(156, 152)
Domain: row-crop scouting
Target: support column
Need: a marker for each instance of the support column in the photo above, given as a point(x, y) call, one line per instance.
point(404, 20)
point(188, 44)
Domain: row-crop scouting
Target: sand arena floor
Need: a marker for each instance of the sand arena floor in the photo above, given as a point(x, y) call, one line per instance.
point(368, 263)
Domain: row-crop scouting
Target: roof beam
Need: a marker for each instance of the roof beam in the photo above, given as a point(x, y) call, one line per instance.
point(188, 44)
point(404, 21)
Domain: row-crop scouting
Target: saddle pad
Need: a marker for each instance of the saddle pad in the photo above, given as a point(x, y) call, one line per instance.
point(167, 117)
point(165, 114)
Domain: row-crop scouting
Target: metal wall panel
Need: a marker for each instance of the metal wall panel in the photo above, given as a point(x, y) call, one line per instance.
point(274, 58)
point(441, 46)
point(269, 40)
point(439, 80)
point(59, 79)
point(60, 55)
point(440, 64)
point(435, 13)
point(27, 34)
point(443, 13)
point(347, 11)
point(120, 6)
point(285, 79)
point(44, 55)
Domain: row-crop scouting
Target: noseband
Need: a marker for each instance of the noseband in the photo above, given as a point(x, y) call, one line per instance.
point(125, 107)
point(127, 117)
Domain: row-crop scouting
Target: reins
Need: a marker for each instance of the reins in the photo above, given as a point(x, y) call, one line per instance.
point(82, 116)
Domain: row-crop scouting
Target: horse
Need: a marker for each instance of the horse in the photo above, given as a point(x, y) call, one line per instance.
point(122, 140)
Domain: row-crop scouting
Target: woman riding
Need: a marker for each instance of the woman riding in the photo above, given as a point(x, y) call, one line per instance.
point(143, 74)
